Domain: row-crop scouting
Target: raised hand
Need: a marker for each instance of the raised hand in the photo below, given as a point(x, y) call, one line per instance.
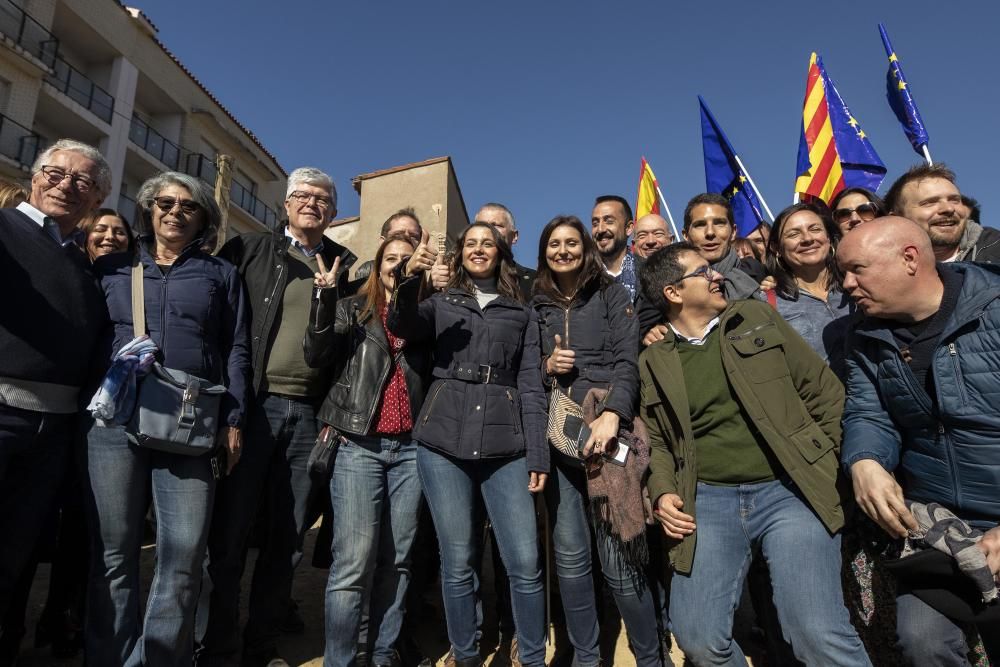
point(561, 360)
point(423, 256)
point(440, 272)
point(324, 279)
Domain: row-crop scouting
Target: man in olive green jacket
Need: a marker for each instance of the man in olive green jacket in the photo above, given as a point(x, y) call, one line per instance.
point(743, 417)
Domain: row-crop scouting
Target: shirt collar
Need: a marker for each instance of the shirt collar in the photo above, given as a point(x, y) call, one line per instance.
point(308, 252)
point(714, 322)
point(49, 224)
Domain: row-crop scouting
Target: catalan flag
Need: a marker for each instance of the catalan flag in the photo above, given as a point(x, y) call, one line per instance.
point(834, 152)
point(646, 201)
point(897, 90)
point(724, 174)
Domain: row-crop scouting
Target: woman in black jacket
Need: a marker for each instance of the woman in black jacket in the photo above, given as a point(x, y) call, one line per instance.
point(590, 336)
point(481, 431)
point(374, 490)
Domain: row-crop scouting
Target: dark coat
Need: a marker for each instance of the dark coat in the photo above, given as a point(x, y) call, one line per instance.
point(468, 419)
point(947, 451)
point(196, 314)
point(262, 260)
point(525, 281)
point(601, 327)
point(357, 348)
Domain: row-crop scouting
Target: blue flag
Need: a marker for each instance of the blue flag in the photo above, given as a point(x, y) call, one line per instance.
point(724, 176)
point(897, 90)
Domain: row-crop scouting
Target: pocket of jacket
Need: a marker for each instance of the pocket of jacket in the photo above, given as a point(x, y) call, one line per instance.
point(514, 410)
point(811, 442)
point(762, 353)
point(433, 400)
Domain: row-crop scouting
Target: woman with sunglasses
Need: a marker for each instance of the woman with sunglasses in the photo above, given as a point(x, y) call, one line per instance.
point(853, 206)
point(481, 432)
point(196, 316)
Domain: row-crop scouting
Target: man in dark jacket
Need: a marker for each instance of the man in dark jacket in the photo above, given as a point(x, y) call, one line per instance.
point(502, 219)
point(611, 223)
point(50, 319)
point(923, 376)
point(272, 480)
point(928, 195)
point(744, 421)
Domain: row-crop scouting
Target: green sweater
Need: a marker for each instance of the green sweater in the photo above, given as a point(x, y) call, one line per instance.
point(730, 450)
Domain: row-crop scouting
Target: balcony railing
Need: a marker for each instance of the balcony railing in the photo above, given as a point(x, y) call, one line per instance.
point(18, 142)
point(241, 196)
point(28, 33)
point(154, 143)
point(199, 166)
point(126, 208)
point(75, 85)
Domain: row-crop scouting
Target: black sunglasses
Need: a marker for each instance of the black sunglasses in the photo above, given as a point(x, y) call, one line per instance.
point(867, 213)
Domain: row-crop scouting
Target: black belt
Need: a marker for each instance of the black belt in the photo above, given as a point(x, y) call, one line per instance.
point(484, 374)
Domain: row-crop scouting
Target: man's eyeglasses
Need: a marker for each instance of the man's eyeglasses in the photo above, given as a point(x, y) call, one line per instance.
point(706, 272)
point(167, 204)
point(867, 213)
point(55, 176)
point(305, 197)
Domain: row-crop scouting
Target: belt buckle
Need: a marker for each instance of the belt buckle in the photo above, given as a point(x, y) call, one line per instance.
point(489, 373)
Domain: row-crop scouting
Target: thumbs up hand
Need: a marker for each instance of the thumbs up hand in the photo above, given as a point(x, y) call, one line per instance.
point(561, 360)
point(323, 278)
point(423, 256)
point(440, 272)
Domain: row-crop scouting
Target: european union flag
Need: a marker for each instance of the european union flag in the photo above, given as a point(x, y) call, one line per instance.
point(901, 99)
point(724, 176)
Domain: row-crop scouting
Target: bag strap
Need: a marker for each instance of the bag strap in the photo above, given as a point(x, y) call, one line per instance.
point(138, 298)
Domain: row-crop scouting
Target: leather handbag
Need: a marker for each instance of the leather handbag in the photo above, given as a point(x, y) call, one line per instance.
point(176, 412)
point(567, 429)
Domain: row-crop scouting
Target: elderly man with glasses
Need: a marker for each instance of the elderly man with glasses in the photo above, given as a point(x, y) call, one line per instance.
point(51, 316)
point(278, 268)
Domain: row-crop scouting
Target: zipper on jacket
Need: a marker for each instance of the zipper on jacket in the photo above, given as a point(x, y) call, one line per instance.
point(513, 412)
point(953, 352)
point(569, 390)
point(952, 464)
point(163, 317)
point(430, 406)
point(385, 377)
point(270, 301)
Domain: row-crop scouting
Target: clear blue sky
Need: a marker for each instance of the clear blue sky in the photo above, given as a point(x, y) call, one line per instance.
point(543, 105)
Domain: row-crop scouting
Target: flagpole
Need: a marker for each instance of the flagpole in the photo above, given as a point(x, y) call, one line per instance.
point(677, 236)
point(927, 155)
point(752, 185)
point(795, 198)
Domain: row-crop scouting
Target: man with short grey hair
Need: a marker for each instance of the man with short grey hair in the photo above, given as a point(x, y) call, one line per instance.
point(278, 269)
point(51, 315)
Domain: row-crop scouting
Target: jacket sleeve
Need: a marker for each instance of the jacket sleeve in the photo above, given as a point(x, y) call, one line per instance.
point(409, 318)
point(235, 349)
point(325, 330)
point(647, 314)
point(534, 416)
point(869, 432)
point(624, 341)
point(662, 466)
point(233, 251)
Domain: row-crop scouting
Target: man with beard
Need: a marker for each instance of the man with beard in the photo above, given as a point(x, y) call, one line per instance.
point(611, 223)
point(928, 195)
point(651, 233)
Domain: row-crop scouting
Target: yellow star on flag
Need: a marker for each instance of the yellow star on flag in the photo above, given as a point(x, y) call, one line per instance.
point(853, 122)
point(743, 179)
point(893, 58)
point(902, 85)
point(861, 134)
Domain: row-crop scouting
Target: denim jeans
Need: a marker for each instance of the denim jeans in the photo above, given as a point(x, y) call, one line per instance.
point(375, 496)
point(566, 495)
point(34, 452)
point(451, 486)
point(121, 479)
point(804, 561)
point(927, 637)
point(271, 485)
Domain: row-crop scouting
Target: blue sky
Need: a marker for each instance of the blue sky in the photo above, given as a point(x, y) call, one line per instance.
point(544, 105)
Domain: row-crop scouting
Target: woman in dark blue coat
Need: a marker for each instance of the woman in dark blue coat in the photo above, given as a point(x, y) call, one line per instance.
point(195, 314)
point(481, 432)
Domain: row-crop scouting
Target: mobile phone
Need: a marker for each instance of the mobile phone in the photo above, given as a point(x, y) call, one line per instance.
point(577, 431)
point(618, 454)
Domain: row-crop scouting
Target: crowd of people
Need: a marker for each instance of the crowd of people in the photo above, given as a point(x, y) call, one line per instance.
point(808, 413)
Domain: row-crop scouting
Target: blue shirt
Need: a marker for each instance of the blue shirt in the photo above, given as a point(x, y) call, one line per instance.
point(822, 324)
point(308, 252)
point(51, 226)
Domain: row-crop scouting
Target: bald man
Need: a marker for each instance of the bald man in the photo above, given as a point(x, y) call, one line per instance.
point(651, 232)
point(923, 377)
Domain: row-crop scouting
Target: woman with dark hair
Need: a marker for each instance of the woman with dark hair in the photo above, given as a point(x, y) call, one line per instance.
point(106, 233)
point(853, 206)
point(800, 256)
point(196, 317)
point(590, 340)
point(374, 489)
point(481, 431)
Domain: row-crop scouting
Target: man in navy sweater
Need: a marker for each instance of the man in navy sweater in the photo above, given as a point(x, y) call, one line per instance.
point(51, 314)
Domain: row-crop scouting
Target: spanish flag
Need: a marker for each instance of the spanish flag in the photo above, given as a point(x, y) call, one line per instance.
point(646, 201)
point(834, 152)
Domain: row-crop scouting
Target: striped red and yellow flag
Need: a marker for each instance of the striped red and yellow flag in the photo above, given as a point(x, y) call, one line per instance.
point(646, 201)
point(823, 176)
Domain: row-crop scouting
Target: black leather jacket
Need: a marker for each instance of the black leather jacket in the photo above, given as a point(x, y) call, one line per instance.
point(357, 348)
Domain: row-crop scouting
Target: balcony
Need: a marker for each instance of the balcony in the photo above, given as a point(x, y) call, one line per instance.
point(240, 195)
point(18, 142)
point(151, 141)
point(75, 85)
point(199, 166)
point(28, 33)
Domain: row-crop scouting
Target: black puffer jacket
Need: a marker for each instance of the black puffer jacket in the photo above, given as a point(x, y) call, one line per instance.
point(356, 346)
point(601, 327)
point(465, 416)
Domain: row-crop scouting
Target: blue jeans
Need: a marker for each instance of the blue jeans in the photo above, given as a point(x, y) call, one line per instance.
point(122, 477)
point(375, 496)
point(566, 496)
point(804, 561)
point(271, 485)
point(451, 486)
point(34, 452)
point(927, 637)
